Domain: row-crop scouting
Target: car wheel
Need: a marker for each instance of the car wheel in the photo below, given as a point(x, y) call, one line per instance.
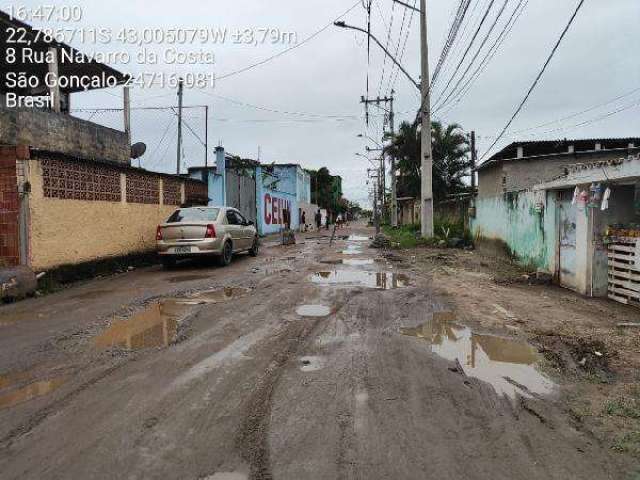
point(168, 263)
point(227, 254)
point(255, 248)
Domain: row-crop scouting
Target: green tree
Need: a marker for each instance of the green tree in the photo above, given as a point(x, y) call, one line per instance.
point(451, 162)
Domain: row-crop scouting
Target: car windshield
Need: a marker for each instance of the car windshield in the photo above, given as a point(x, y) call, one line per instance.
point(194, 215)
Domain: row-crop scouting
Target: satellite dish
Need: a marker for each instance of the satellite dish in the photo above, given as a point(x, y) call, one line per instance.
point(138, 149)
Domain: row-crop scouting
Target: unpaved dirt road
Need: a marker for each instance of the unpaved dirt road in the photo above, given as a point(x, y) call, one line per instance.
point(144, 376)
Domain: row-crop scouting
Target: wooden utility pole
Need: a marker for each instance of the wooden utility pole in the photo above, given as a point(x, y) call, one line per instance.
point(426, 149)
point(180, 92)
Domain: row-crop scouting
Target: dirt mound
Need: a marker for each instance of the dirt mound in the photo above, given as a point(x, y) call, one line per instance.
point(578, 356)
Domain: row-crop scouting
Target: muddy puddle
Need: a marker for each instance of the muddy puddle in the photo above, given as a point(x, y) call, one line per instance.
point(353, 262)
point(28, 392)
point(311, 364)
point(155, 326)
point(380, 280)
point(507, 364)
point(313, 311)
point(358, 238)
point(352, 250)
point(217, 296)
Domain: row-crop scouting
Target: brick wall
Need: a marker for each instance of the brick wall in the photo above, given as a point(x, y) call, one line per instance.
point(9, 208)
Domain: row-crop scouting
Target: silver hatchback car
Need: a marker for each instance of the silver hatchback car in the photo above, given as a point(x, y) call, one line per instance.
point(198, 232)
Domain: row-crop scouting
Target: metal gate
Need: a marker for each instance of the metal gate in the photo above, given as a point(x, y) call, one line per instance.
point(241, 192)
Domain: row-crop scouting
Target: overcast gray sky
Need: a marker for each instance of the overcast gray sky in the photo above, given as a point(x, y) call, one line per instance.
point(597, 62)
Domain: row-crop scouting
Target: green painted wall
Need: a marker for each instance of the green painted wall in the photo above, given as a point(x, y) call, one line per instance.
point(513, 218)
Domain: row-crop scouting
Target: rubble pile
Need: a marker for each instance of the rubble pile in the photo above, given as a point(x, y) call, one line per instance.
point(381, 241)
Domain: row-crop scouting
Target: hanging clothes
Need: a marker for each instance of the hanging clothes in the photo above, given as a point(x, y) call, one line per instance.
point(605, 199)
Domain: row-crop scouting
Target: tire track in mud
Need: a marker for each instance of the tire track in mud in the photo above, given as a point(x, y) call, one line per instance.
point(41, 415)
point(252, 437)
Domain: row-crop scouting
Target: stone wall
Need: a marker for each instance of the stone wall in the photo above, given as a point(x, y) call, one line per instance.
point(63, 133)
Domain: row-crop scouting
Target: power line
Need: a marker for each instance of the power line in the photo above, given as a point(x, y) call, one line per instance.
point(515, 16)
point(287, 50)
point(466, 52)
point(461, 12)
point(538, 77)
point(477, 54)
point(404, 48)
point(573, 115)
point(384, 61)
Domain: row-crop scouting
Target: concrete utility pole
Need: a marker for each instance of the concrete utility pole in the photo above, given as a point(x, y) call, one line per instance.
point(474, 160)
point(180, 92)
point(394, 193)
point(426, 149)
point(206, 135)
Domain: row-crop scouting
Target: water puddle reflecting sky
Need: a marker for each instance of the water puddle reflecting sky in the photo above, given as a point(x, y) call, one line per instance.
point(313, 311)
point(380, 280)
point(502, 362)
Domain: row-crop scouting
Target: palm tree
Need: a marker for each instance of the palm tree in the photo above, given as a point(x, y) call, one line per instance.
point(451, 163)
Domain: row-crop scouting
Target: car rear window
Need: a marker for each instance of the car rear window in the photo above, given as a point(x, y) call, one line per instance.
point(194, 215)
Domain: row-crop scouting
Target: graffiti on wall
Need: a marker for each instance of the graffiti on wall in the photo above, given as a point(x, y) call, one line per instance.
point(276, 210)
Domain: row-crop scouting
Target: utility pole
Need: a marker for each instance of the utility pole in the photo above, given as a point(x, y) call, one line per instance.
point(180, 92)
point(376, 210)
point(394, 193)
point(474, 160)
point(426, 150)
point(206, 135)
point(393, 207)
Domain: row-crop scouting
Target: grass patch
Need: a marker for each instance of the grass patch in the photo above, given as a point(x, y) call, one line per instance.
point(627, 407)
point(445, 232)
point(406, 236)
point(628, 443)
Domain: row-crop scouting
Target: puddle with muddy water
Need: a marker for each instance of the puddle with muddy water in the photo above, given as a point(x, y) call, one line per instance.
point(219, 295)
point(506, 364)
point(155, 326)
point(352, 249)
point(353, 262)
point(311, 364)
point(380, 280)
point(313, 311)
point(29, 392)
point(358, 238)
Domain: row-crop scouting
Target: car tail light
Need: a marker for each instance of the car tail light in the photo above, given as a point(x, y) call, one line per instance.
point(159, 233)
point(211, 231)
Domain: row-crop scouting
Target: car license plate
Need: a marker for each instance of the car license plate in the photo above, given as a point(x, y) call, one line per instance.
point(182, 250)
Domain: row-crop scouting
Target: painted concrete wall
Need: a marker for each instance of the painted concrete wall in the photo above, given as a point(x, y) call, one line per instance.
point(272, 200)
point(516, 219)
point(71, 231)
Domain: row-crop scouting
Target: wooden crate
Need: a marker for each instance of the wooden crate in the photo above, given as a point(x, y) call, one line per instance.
point(624, 271)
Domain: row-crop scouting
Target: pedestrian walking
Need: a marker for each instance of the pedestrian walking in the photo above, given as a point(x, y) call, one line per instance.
point(318, 220)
